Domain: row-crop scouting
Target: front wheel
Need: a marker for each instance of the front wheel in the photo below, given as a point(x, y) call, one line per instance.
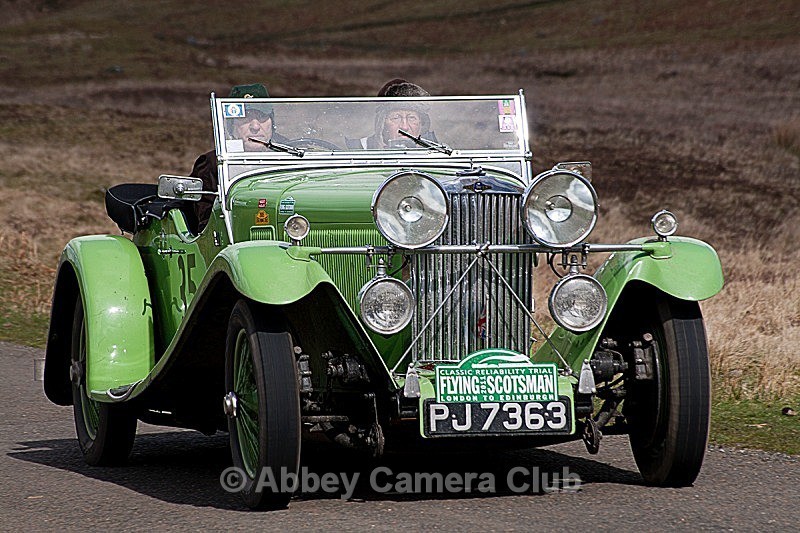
point(263, 406)
point(669, 415)
point(105, 431)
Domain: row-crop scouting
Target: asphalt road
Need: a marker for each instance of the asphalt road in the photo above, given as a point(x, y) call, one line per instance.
point(173, 482)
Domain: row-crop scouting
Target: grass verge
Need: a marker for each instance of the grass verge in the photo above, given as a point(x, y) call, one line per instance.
point(26, 285)
point(756, 424)
point(30, 330)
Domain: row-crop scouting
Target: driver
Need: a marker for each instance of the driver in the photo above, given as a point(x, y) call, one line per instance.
point(258, 122)
point(390, 117)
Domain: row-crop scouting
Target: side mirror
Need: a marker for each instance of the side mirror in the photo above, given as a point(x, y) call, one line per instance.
point(181, 188)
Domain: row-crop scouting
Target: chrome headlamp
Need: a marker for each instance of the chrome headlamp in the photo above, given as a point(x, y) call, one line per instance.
point(297, 227)
point(410, 209)
point(559, 208)
point(387, 305)
point(578, 303)
point(664, 223)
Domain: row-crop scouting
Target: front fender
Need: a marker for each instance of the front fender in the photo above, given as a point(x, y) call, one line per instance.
point(270, 272)
point(295, 287)
point(106, 272)
point(682, 267)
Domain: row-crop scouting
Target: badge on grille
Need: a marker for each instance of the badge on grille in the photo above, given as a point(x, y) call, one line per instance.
point(481, 323)
point(478, 186)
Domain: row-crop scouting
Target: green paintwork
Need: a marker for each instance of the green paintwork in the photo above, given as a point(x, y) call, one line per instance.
point(181, 266)
point(273, 273)
point(682, 267)
point(337, 202)
point(174, 277)
point(265, 272)
point(118, 310)
point(269, 272)
point(327, 197)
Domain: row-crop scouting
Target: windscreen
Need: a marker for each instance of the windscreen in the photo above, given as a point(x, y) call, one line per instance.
point(318, 128)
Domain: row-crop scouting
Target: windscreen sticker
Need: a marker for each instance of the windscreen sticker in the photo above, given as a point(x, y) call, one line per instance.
point(234, 145)
point(286, 206)
point(506, 107)
point(233, 110)
point(507, 123)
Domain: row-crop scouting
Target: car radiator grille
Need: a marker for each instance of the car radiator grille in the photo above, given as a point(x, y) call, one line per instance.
point(347, 271)
point(481, 313)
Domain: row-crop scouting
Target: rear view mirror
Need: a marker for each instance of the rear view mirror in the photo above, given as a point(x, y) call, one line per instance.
point(181, 188)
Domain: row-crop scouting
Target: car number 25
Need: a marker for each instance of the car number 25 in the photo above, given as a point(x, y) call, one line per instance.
point(497, 417)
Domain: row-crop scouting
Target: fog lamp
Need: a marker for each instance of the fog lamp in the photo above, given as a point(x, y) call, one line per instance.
point(297, 227)
point(410, 209)
point(387, 305)
point(664, 223)
point(578, 303)
point(559, 208)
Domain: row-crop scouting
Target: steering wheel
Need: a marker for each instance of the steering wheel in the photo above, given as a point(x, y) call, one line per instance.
point(313, 145)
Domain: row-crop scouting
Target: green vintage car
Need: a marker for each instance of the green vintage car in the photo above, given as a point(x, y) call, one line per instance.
point(366, 273)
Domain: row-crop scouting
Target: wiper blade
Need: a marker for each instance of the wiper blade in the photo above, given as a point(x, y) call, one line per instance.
point(279, 147)
point(443, 148)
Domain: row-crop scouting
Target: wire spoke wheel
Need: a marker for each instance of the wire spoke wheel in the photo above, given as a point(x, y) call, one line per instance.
point(260, 371)
point(88, 407)
point(245, 388)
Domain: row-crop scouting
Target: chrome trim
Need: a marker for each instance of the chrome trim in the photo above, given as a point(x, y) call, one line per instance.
point(382, 162)
point(277, 159)
point(436, 312)
point(481, 254)
point(663, 236)
point(296, 239)
point(566, 280)
point(490, 248)
point(222, 170)
point(480, 313)
point(120, 394)
point(383, 185)
point(383, 278)
point(230, 405)
point(543, 176)
point(567, 368)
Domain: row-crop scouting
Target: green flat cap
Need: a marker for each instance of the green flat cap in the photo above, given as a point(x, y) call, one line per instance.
point(254, 90)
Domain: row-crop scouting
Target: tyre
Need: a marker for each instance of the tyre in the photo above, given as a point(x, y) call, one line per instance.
point(669, 415)
point(264, 426)
point(105, 431)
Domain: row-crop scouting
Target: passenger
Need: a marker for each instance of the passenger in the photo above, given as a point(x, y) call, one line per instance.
point(258, 122)
point(389, 118)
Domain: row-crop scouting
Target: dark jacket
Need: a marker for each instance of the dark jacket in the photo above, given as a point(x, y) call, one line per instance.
point(205, 168)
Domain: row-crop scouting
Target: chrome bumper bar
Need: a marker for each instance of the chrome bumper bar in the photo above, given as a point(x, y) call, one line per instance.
point(484, 249)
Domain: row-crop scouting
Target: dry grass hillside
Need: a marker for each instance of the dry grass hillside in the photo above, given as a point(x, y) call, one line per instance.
point(691, 106)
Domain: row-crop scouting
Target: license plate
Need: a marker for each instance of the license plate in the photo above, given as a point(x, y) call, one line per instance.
point(497, 418)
